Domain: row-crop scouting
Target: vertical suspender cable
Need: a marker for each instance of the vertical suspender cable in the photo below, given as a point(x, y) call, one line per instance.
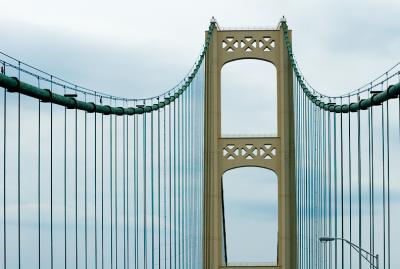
point(359, 182)
point(51, 175)
point(313, 203)
point(144, 194)
point(335, 182)
point(175, 178)
point(179, 183)
point(152, 186)
point(86, 255)
point(134, 193)
point(383, 185)
point(184, 170)
point(371, 142)
point(127, 191)
point(302, 116)
point(124, 188)
point(111, 190)
point(330, 184)
point(116, 186)
point(370, 176)
point(320, 193)
point(303, 243)
point(350, 193)
point(65, 186)
point(95, 186)
point(19, 170)
point(325, 165)
point(102, 191)
point(179, 179)
point(165, 186)
point(76, 187)
point(189, 195)
point(170, 184)
point(158, 185)
point(136, 163)
point(192, 196)
point(4, 177)
point(388, 173)
point(307, 232)
point(39, 181)
point(135, 188)
point(341, 184)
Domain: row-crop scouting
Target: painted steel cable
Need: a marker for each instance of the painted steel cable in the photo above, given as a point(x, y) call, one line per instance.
point(65, 186)
point(85, 176)
point(112, 184)
point(102, 191)
point(39, 182)
point(19, 174)
point(111, 192)
point(116, 189)
point(144, 194)
point(51, 183)
point(175, 91)
point(76, 190)
point(127, 193)
point(159, 188)
point(95, 189)
point(4, 176)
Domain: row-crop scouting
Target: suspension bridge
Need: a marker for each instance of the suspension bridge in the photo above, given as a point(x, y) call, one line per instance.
point(92, 180)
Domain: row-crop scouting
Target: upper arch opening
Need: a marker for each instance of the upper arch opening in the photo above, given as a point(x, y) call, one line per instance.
point(249, 98)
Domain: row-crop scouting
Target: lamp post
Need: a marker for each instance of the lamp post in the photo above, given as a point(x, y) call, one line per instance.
point(360, 250)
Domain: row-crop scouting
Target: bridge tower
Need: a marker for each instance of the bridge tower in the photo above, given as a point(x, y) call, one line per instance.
point(221, 154)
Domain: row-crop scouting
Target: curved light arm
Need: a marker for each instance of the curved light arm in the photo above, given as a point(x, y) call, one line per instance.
point(357, 248)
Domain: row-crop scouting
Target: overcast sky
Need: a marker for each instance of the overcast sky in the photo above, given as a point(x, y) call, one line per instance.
point(142, 48)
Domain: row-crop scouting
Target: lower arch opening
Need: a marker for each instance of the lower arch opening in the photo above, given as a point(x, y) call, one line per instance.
point(250, 216)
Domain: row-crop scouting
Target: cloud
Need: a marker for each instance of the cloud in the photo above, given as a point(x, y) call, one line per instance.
point(138, 49)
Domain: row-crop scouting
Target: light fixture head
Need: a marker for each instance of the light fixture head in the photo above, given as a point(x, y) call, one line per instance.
point(326, 239)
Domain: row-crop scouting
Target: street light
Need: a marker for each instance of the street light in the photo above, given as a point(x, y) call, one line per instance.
point(360, 250)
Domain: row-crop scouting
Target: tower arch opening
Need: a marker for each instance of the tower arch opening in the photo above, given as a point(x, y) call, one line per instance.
point(249, 98)
point(250, 216)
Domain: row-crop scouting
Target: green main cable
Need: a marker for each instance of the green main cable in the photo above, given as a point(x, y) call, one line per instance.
point(391, 92)
point(15, 85)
